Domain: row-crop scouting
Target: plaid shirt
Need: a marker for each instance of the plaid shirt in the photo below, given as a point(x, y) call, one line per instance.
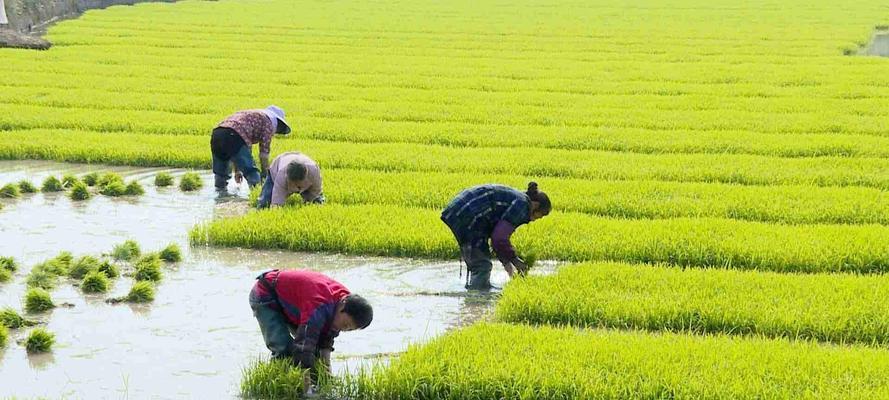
point(254, 126)
point(474, 213)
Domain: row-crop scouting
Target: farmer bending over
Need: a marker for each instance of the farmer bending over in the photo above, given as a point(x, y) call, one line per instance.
point(290, 173)
point(492, 212)
point(300, 313)
point(234, 137)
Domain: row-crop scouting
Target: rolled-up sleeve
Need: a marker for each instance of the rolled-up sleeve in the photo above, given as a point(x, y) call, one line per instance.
point(500, 239)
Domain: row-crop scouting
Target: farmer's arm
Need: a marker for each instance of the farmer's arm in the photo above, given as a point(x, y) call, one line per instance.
point(500, 240)
point(280, 190)
point(325, 348)
point(313, 193)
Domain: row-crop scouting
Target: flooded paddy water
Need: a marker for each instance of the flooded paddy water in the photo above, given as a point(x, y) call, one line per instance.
point(199, 333)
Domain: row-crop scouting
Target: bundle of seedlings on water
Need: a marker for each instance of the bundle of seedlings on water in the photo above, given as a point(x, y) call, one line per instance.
point(148, 268)
point(38, 300)
point(171, 253)
point(134, 189)
point(190, 182)
point(4, 334)
point(83, 266)
point(94, 282)
point(110, 270)
point(113, 189)
point(40, 278)
point(163, 179)
point(126, 251)
point(69, 180)
point(9, 264)
point(79, 192)
point(141, 292)
point(27, 187)
point(13, 320)
point(91, 178)
point(52, 184)
point(39, 341)
point(109, 178)
point(5, 275)
point(10, 191)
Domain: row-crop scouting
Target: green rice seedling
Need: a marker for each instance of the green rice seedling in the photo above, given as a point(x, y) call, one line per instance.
point(171, 253)
point(134, 189)
point(39, 341)
point(12, 320)
point(4, 334)
point(5, 275)
point(10, 191)
point(126, 251)
point(52, 184)
point(83, 266)
point(190, 182)
point(79, 192)
point(141, 292)
point(272, 379)
point(69, 180)
point(556, 363)
point(113, 189)
point(397, 231)
point(148, 268)
point(27, 187)
point(110, 270)
point(38, 300)
point(91, 179)
point(109, 178)
point(840, 308)
point(9, 264)
point(94, 282)
point(163, 179)
point(40, 278)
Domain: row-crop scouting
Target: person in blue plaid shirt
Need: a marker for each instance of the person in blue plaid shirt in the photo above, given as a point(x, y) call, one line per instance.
point(492, 212)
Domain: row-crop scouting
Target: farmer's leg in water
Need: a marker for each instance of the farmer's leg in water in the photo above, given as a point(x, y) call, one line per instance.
point(244, 160)
point(274, 326)
point(265, 196)
point(478, 264)
point(221, 146)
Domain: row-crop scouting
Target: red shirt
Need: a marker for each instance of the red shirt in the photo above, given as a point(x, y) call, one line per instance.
point(309, 300)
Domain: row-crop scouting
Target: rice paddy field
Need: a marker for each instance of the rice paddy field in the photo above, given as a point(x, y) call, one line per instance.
point(719, 173)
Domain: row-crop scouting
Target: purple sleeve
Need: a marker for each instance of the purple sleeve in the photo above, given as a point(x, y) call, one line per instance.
point(500, 241)
point(279, 185)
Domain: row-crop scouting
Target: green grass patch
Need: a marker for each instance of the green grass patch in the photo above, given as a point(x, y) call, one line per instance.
point(40, 341)
point(51, 184)
point(148, 268)
point(497, 361)
point(190, 182)
point(396, 231)
point(126, 251)
point(80, 192)
point(38, 300)
point(10, 191)
point(163, 179)
point(838, 308)
point(94, 282)
point(171, 253)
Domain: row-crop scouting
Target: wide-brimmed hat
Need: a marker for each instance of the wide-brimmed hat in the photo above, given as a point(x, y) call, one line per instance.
point(277, 112)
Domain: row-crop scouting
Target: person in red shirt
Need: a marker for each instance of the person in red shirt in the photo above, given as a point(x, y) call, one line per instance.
point(300, 313)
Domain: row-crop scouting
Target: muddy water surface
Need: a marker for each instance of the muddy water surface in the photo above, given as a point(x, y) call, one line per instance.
point(198, 334)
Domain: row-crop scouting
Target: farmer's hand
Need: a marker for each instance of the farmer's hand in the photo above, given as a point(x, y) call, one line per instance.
point(509, 270)
point(239, 177)
point(325, 358)
point(520, 266)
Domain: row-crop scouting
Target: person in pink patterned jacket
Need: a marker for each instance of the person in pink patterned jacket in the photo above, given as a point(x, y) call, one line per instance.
point(233, 139)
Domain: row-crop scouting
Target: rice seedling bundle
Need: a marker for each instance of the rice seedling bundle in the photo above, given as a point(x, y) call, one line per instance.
point(27, 187)
point(190, 182)
point(52, 184)
point(80, 192)
point(40, 341)
point(94, 282)
point(163, 179)
point(13, 320)
point(10, 191)
point(38, 300)
point(91, 179)
point(171, 253)
point(126, 251)
point(141, 292)
point(148, 268)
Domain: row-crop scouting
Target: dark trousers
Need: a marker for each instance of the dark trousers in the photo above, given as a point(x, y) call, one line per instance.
point(227, 147)
point(277, 331)
point(477, 256)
